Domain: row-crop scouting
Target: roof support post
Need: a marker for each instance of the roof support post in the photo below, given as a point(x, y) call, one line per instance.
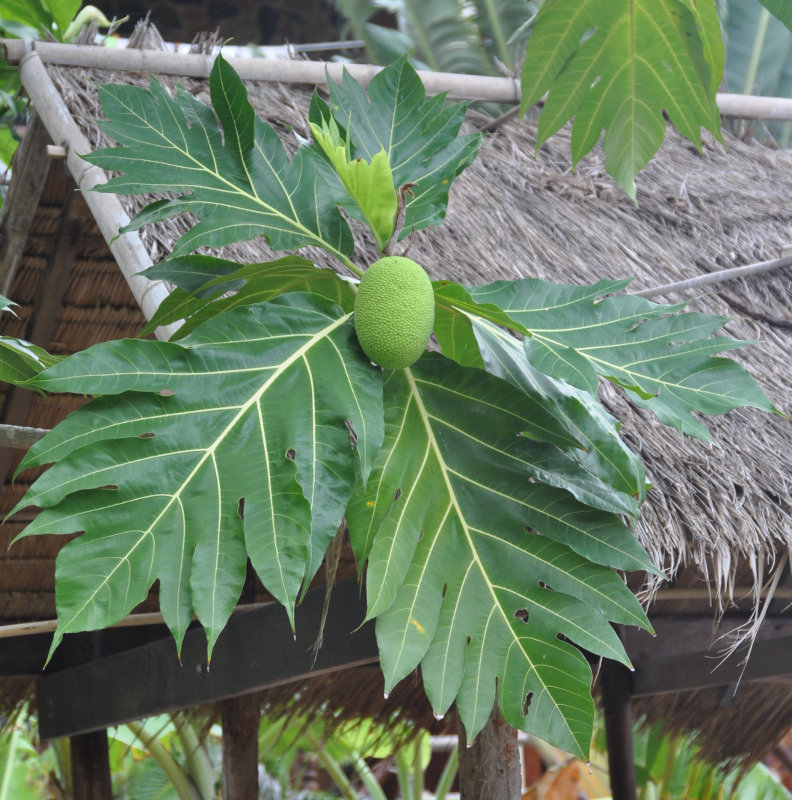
point(489, 766)
point(615, 684)
point(239, 717)
point(90, 766)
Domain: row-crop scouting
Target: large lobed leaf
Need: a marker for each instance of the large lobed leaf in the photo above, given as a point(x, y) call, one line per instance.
point(662, 355)
point(618, 66)
point(419, 137)
point(206, 286)
point(235, 444)
point(237, 180)
point(483, 566)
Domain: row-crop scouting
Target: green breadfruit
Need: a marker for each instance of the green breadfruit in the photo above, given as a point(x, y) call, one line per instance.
point(394, 312)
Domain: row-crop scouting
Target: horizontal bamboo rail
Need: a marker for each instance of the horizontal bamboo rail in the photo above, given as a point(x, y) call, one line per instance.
point(468, 87)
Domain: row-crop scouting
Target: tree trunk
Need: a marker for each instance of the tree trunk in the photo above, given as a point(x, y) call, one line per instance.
point(489, 769)
point(90, 766)
point(240, 717)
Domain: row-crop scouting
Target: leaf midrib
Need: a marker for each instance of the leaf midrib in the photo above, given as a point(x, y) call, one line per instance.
point(454, 504)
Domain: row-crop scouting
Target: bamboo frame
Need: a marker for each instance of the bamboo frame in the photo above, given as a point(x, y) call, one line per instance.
point(467, 87)
point(110, 216)
point(719, 277)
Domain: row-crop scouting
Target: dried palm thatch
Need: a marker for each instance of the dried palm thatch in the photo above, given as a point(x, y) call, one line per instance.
point(718, 516)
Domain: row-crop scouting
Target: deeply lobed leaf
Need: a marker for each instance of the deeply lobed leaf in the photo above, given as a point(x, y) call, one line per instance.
point(469, 528)
point(618, 66)
point(660, 354)
point(419, 137)
point(234, 443)
point(237, 180)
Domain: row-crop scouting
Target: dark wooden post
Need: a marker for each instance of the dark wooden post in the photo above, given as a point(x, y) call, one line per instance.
point(615, 685)
point(90, 766)
point(240, 718)
point(490, 768)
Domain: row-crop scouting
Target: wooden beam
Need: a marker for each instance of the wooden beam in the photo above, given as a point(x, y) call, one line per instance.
point(256, 650)
point(769, 659)
point(31, 167)
point(239, 718)
point(615, 687)
point(90, 766)
point(27, 655)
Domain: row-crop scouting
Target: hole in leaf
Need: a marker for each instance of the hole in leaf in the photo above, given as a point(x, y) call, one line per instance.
point(527, 703)
point(291, 453)
point(522, 613)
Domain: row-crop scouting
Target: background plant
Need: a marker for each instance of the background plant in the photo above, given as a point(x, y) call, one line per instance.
point(579, 55)
point(48, 20)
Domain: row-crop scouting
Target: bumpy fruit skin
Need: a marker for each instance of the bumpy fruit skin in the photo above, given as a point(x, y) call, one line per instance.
point(394, 311)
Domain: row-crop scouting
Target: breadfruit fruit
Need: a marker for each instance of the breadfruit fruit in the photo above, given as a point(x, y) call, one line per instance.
point(394, 312)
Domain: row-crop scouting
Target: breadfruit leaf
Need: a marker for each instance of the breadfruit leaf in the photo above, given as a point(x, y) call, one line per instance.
point(19, 359)
point(604, 453)
point(662, 355)
point(237, 179)
point(483, 566)
point(619, 66)
point(233, 444)
point(420, 137)
point(206, 286)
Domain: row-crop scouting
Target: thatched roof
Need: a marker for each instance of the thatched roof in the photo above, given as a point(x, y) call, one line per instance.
point(718, 516)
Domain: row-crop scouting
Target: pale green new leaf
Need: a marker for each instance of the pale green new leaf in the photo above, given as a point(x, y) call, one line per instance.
point(420, 137)
point(234, 444)
point(479, 563)
point(662, 355)
point(369, 183)
point(618, 66)
point(207, 286)
point(238, 179)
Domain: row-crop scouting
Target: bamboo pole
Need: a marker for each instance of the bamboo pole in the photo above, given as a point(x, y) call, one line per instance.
point(312, 73)
point(718, 277)
point(19, 436)
point(107, 210)
point(478, 87)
